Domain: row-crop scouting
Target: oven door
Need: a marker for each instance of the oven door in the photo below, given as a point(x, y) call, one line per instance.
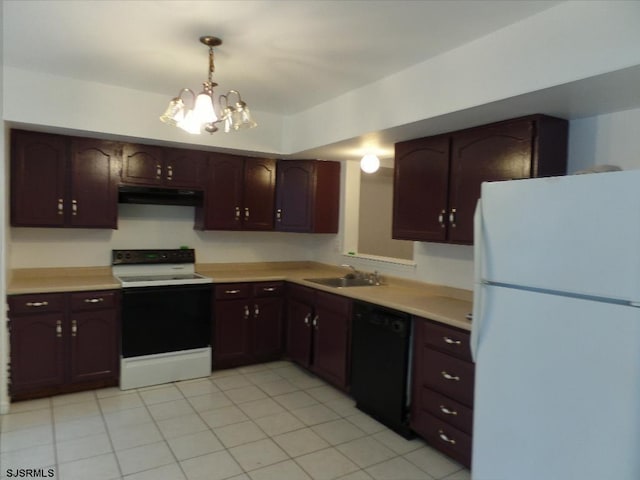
point(165, 319)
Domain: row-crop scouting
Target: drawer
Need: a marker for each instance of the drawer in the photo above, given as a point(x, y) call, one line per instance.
point(36, 303)
point(445, 438)
point(448, 375)
point(445, 409)
point(268, 289)
point(100, 300)
point(230, 291)
point(447, 339)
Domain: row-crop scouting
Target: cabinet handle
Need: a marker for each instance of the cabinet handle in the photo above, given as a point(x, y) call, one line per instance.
point(246, 312)
point(444, 437)
point(316, 322)
point(451, 341)
point(37, 304)
point(446, 411)
point(452, 218)
point(74, 207)
point(307, 317)
point(60, 206)
point(246, 213)
point(94, 300)
point(59, 328)
point(269, 289)
point(237, 213)
point(169, 172)
point(447, 376)
point(441, 218)
point(232, 292)
point(279, 215)
point(74, 328)
point(256, 310)
point(158, 171)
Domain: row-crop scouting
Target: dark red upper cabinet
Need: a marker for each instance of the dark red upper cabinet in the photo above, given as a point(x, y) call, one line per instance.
point(421, 174)
point(239, 194)
point(142, 164)
point(438, 179)
point(59, 181)
point(38, 179)
point(159, 166)
point(307, 196)
point(259, 193)
point(184, 168)
point(94, 183)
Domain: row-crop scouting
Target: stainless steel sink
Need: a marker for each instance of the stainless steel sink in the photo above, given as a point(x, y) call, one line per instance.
point(340, 282)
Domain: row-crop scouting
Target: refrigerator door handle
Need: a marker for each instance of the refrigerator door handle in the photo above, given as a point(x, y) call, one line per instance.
point(478, 252)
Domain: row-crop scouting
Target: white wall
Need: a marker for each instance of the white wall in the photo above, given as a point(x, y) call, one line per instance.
point(152, 226)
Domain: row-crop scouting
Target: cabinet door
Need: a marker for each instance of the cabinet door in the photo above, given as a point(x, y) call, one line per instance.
point(94, 183)
point(267, 328)
point(295, 195)
point(259, 194)
point(142, 164)
point(331, 338)
point(223, 198)
point(93, 345)
point(421, 174)
point(497, 152)
point(299, 316)
point(232, 334)
point(37, 351)
point(38, 179)
point(184, 168)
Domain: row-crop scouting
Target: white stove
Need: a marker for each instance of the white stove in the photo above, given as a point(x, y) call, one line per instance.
point(166, 317)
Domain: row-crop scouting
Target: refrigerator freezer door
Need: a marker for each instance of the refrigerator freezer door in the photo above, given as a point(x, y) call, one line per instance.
point(578, 234)
point(557, 389)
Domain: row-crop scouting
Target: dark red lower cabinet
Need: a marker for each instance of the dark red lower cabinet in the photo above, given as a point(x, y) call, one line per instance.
point(62, 342)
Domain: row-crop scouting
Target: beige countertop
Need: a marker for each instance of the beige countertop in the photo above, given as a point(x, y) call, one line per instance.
point(443, 304)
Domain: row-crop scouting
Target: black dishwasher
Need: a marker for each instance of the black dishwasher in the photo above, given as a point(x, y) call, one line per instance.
point(380, 364)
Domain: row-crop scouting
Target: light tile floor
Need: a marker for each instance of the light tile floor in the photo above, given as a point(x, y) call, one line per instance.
point(271, 421)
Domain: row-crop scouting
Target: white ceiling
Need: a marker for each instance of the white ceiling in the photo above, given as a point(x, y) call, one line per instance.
point(283, 56)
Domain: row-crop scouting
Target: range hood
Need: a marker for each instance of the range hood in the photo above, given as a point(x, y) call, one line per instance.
point(159, 196)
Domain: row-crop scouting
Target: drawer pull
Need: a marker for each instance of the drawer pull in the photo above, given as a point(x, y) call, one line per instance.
point(444, 437)
point(307, 319)
point(232, 292)
point(59, 328)
point(269, 289)
point(448, 376)
point(74, 328)
point(94, 300)
point(37, 304)
point(446, 411)
point(451, 341)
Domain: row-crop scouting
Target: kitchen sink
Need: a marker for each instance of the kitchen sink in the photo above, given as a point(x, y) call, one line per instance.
point(340, 282)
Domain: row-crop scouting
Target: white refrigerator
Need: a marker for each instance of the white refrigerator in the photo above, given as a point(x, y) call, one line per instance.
point(556, 329)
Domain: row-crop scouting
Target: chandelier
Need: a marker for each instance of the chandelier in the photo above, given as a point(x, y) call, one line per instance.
point(203, 112)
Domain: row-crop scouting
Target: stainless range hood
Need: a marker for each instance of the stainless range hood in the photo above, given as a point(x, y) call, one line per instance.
point(159, 196)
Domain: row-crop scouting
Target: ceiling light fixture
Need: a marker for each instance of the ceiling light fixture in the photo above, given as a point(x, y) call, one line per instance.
point(370, 163)
point(204, 112)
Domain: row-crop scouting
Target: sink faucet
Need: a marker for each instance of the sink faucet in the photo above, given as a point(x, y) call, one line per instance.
point(356, 273)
